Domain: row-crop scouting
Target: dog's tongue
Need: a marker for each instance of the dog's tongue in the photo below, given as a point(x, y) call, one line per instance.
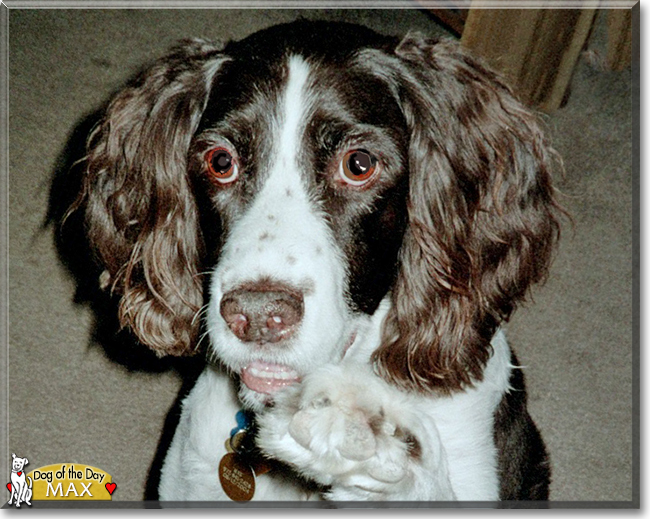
point(267, 378)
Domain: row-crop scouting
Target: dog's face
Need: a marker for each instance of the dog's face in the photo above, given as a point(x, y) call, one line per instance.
point(17, 463)
point(290, 182)
point(308, 177)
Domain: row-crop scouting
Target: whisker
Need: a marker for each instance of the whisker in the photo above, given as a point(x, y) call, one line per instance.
point(203, 336)
point(200, 313)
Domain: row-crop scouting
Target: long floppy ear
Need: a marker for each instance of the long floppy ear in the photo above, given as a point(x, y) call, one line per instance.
point(482, 217)
point(141, 216)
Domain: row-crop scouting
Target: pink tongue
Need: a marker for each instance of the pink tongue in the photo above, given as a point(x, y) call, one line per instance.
point(268, 384)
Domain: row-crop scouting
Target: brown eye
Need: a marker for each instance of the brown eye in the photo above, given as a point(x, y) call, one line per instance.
point(221, 165)
point(358, 167)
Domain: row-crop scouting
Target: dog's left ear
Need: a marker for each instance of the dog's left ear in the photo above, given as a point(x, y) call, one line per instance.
point(482, 216)
point(140, 212)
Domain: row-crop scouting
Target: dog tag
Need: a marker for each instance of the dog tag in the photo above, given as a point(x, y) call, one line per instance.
point(237, 478)
point(237, 440)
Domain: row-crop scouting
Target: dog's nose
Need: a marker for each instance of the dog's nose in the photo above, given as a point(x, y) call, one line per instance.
point(260, 313)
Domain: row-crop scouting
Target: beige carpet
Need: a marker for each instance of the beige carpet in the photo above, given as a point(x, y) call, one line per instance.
point(71, 399)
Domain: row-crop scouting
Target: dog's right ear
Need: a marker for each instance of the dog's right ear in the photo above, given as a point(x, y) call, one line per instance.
point(141, 217)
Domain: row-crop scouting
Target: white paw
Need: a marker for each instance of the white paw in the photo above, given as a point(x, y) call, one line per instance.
point(345, 428)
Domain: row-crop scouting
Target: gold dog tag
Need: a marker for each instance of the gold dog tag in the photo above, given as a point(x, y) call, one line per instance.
point(237, 478)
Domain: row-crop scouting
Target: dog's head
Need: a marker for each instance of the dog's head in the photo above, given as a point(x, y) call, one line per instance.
point(18, 463)
point(294, 180)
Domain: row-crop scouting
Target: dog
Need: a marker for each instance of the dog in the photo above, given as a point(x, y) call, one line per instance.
point(21, 489)
point(346, 219)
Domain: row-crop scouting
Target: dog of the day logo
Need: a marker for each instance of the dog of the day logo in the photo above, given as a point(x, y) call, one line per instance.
point(60, 481)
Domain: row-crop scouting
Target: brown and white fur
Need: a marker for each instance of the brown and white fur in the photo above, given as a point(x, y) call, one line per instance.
point(357, 314)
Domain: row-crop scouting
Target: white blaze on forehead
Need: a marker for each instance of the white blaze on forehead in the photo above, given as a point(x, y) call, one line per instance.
point(292, 115)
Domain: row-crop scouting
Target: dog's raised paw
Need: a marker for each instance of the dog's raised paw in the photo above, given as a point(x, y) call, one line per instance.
point(334, 426)
point(340, 428)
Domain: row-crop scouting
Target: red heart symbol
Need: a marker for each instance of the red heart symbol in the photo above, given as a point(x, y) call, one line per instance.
point(111, 487)
point(20, 473)
point(9, 487)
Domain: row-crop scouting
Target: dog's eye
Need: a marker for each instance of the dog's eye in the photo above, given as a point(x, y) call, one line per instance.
point(222, 167)
point(357, 167)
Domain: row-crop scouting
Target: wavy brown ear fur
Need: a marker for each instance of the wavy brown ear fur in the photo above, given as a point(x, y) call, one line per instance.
point(482, 217)
point(140, 213)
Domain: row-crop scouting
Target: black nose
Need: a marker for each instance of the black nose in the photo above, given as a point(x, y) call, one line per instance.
point(263, 313)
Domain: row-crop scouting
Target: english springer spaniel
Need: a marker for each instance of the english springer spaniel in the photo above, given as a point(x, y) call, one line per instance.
point(346, 219)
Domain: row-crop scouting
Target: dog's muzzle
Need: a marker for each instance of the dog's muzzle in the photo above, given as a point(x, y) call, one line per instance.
point(262, 313)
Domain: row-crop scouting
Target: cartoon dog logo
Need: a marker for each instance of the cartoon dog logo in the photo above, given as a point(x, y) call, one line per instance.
point(19, 487)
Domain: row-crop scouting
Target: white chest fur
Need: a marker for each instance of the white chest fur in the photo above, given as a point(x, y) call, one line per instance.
point(464, 422)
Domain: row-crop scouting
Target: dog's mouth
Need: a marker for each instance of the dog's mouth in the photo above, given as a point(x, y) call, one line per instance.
point(268, 378)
